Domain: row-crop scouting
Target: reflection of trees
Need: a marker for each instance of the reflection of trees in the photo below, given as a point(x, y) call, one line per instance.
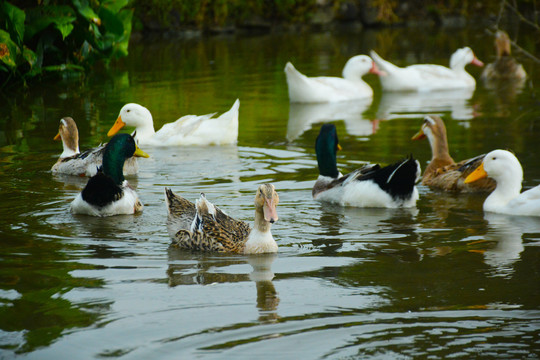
point(35, 274)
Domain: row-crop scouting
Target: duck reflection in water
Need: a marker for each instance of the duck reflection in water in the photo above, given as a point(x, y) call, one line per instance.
point(412, 104)
point(507, 232)
point(267, 296)
point(303, 115)
point(189, 268)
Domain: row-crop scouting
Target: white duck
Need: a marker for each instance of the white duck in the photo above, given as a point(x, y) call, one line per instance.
point(186, 131)
point(331, 89)
point(428, 77)
point(73, 162)
point(505, 169)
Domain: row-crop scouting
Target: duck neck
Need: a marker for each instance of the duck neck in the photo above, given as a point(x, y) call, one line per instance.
point(70, 150)
point(113, 166)
point(439, 147)
point(145, 131)
point(506, 190)
point(326, 160)
point(260, 239)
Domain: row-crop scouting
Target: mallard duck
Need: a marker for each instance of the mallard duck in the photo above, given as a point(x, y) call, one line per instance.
point(108, 193)
point(330, 89)
point(428, 77)
point(73, 162)
point(443, 172)
point(371, 186)
point(203, 226)
point(505, 66)
point(505, 169)
point(188, 130)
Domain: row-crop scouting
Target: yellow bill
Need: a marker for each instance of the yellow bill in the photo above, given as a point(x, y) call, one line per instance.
point(140, 153)
point(419, 135)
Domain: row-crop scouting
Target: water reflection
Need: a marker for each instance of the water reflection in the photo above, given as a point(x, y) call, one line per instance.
point(414, 105)
point(507, 233)
point(267, 296)
point(188, 268)
point(302, 116)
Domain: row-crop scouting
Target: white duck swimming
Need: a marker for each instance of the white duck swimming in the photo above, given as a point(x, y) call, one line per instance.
point(505, 169)
point(428, 77)
point(187, 131)
point(331, 89)
point(73, 162)
point(371, 186)
point(107, 193)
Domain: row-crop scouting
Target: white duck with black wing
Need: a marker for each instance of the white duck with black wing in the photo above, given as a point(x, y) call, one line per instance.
point(391, 186)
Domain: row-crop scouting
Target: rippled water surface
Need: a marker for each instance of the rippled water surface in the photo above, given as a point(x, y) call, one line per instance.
point(442, 280)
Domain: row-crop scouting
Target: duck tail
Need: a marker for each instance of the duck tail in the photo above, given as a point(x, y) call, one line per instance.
point(399, 178)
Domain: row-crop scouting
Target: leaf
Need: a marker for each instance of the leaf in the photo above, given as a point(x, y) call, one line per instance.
point(84, 8)
point(39, 18)
point(15, 18)
point(29, 56)
point(8, 50)
point(114, 6)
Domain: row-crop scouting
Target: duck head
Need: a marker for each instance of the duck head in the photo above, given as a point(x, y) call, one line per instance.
point(134, 115)
point(266, 201)
point(502, 43)
point(501, 165)
point(120, 148)
point(69, 134)
point(462, 57)
point(358, 66)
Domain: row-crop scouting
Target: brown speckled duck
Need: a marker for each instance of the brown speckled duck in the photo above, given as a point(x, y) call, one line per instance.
point(443, 172)
point(505, 66)
point(203, 226)
point(73, 162)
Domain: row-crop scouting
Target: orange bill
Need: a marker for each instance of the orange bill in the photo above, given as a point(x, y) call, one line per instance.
point(477, 62)
point(57, 137)
point(419, 135)
point(117, 126)
point(269, 209)
point(477, 174)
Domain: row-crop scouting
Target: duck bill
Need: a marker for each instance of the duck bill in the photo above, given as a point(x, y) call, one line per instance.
point(339, 147)
point(57, 137)
point(477, 62)
point(419, 135)
point(477, 174)
point(139, 153)
point(375, 70)
point(116, 127)
point(269, 209)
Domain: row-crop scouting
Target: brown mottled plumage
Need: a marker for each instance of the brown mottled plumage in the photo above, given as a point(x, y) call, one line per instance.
point(203, 226)
point(443, 172)
point(505, 66)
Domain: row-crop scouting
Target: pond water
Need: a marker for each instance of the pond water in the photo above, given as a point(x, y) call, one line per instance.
point(442, 280)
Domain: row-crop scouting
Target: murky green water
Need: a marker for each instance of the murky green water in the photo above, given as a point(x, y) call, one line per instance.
point(442, 280)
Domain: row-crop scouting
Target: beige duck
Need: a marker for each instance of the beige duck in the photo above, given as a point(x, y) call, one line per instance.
point(203, 226)
point(73, 162)
point(505, 66)
point(443, 172)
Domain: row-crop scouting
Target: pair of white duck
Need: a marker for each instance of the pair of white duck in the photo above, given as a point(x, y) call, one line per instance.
point(421, 78)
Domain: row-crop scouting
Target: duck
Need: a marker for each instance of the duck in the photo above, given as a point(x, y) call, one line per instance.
point(443, 173)
point(189, 130)
point(505, 66)
point(73, 162)
point(203, 226)
point(391, 186)
point(428, 77)
point(303, 89)
point(507, 198)
point(108, 193)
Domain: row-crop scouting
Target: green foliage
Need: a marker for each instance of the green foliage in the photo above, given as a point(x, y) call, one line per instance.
point(207, 13)
point(60, 35)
